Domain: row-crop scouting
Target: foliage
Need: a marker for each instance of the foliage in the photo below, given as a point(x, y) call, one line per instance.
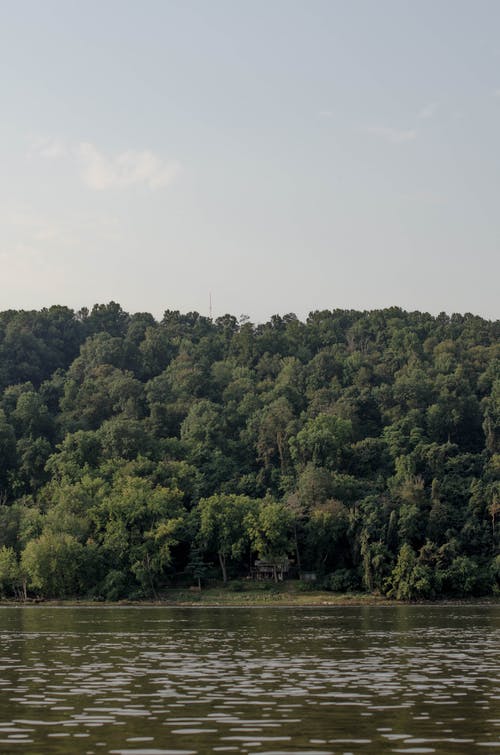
point(363, 446)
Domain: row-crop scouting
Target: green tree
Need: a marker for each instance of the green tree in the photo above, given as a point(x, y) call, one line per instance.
point(274, 429)
point(54, 565)
point(137, 525)
point(325, 531)
point(222, 526)
point(196, 566)
point(11, 581)
point(270, 529)
point(409, 579)
point(322, 441)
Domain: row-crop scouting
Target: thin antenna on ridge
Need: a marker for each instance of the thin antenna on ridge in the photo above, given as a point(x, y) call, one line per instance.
point(210, 304)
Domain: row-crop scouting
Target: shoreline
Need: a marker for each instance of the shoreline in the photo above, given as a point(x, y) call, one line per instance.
point(221, 598)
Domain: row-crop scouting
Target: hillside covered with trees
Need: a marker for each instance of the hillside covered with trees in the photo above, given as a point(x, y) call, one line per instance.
point(136, 454)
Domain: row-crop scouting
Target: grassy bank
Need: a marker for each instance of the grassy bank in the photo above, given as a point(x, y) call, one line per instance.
point(290, 593)
point(281, 594)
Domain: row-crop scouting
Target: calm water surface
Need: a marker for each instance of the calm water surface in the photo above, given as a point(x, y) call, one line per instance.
point(161, 681)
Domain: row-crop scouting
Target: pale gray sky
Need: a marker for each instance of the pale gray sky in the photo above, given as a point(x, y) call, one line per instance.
point(284, 155)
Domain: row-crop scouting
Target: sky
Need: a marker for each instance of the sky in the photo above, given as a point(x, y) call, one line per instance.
point(278, 155)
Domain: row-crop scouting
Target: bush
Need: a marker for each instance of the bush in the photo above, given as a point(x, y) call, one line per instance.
point(495, 575)
point(114, 585)
point(9, 571)
point(342, 580)
point(303, 586)
point(463, 578)
point(236, 585)
point(262, 586)
point(54, 564)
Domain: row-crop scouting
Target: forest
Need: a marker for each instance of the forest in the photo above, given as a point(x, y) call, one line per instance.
point(137, 454)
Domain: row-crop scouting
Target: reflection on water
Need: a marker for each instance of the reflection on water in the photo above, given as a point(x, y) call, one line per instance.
point(160, 681)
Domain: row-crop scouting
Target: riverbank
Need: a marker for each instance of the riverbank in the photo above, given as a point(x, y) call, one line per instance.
point(280, 595)
point(254, 594)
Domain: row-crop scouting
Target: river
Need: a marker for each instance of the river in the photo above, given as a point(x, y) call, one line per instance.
point(165, 680)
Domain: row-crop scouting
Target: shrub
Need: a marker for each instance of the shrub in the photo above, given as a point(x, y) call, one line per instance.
point(114, 585)
point(54, 564)
point(236, 585)
point(342, 580)
point(303, 586)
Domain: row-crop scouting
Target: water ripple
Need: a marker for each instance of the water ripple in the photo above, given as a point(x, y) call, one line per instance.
point(165, 681)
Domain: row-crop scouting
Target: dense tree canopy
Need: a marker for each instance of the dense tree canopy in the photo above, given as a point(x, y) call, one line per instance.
point(134, 454)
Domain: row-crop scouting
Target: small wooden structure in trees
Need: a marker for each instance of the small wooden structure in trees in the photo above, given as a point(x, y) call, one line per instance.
point(263, 571)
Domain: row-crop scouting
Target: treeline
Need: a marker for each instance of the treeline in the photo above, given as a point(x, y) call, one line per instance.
point(136, 454)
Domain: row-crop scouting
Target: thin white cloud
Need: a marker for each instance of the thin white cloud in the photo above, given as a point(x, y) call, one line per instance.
point(32, 225)
point(24, 228)
point(428, 111)
point(496, 93)
point(393, 135)
point(100, 171)
point(48, 148)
